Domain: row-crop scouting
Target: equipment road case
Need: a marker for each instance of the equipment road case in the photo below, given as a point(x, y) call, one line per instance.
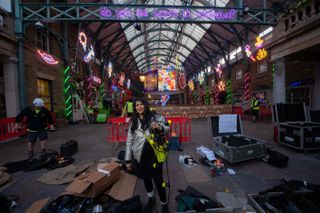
point(228, 143)
point(300, 135)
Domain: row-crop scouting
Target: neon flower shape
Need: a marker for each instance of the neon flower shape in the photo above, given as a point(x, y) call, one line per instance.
point(262, 53)
point(90, 55)
point(218, 70)
point(47, 58)
point(259, 42)
point(249, 53)
point(83, 40)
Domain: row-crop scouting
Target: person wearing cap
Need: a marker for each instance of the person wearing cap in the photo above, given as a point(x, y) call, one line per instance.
point(37, 119)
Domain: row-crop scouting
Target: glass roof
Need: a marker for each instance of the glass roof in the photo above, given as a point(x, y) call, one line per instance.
point(163, 40)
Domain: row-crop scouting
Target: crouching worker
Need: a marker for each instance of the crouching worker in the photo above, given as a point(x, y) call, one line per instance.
point(144, 153)
point(37, 121)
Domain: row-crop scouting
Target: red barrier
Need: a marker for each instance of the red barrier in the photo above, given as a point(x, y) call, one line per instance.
point(117, 128)
point(237, 110)
point(8, 131)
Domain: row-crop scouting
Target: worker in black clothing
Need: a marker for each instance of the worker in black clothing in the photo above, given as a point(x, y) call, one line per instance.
point(255, 108)
point(37, 119)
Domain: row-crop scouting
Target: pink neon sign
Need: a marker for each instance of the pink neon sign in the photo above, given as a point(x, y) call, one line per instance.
point(95, 79)
point(47, 58)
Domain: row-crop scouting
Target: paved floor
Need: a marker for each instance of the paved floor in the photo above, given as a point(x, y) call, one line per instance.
point(251, 176)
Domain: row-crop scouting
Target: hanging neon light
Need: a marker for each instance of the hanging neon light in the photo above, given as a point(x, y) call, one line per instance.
point(128, 83)
point(110, 69)
point(95, 79)
point(164, 99)
point(90, 55)
point(262, 53)
point(201, 77)
point(249, 53)
point(221, 86)
point(259, 42)
point(191, 84)
point(218, 70)
point(47, 58)
point(182, 80)
point(83, 40)
point(121, 79)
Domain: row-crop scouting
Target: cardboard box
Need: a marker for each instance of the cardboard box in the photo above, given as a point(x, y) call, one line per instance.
point(92, 184)
point(123, 189)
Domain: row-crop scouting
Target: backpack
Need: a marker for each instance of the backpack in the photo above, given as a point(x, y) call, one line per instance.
point(174, 144)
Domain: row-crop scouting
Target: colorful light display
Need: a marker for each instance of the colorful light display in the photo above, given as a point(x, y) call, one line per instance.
point(83, 40)
point(191, 84)
point(164, 99)
point(90, 55)
point(221, 86)
point(110, 69)
point(201, 78)
point(218, 70)
point(167, 79)
point(122, 77)
point(94, 79)
point(249, 53)
point(168, 14)
point(261, 54)
point(128, 84)
point(259, 42)
point(150, 82)
point(47, 58)
point(182, 80)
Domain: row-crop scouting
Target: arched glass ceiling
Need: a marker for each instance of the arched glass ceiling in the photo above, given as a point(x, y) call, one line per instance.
point(174, 37)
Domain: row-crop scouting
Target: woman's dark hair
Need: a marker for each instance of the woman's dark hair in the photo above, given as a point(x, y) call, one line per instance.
point(147, 115)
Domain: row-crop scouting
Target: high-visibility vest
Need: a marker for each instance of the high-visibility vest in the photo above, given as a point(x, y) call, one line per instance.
point(255, 104)
point(130, 107)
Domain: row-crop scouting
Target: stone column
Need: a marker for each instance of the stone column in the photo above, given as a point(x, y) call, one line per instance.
point(11, 86)
point(315, 105)
point(279, 83)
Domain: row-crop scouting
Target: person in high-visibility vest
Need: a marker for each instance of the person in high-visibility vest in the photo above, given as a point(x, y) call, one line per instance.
point(128, 108)
point(144, 151)
point(255, 108)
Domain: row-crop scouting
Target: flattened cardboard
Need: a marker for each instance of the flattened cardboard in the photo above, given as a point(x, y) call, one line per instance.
point(123, 189)
point(37, 206)
point(90, 185)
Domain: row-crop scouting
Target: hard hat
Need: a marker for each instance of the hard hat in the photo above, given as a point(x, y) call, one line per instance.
point(38, 102)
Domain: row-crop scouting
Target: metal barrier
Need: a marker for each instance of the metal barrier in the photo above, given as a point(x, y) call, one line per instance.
point(117, 128)
point(8, 131)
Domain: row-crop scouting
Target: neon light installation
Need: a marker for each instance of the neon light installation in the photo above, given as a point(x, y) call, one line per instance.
point(47, 58)
point(191, 84)
point(218, 70)
point(164, 99)
point(259, 42)
point(128, 84)
point(261, 54)
point(221, 86)
point(109, 69)
point(90, 55)
point(121, 79)
point(249, 53)
point(83, 40)
point(201, 78)
point(175, 14)
point(95, 79)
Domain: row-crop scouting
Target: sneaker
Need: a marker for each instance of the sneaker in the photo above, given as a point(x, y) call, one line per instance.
point(31, 154)
point(150, 205)
point(165, 208)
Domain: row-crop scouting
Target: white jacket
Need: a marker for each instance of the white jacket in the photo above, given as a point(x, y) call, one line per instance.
point(136, 140)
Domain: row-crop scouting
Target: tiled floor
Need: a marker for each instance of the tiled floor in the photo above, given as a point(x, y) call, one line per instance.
point(251, 176)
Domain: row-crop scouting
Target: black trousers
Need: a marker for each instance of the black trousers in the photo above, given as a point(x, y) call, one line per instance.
point(158, 181)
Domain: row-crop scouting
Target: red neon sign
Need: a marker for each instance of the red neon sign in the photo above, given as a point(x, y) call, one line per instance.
point(47, 58)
